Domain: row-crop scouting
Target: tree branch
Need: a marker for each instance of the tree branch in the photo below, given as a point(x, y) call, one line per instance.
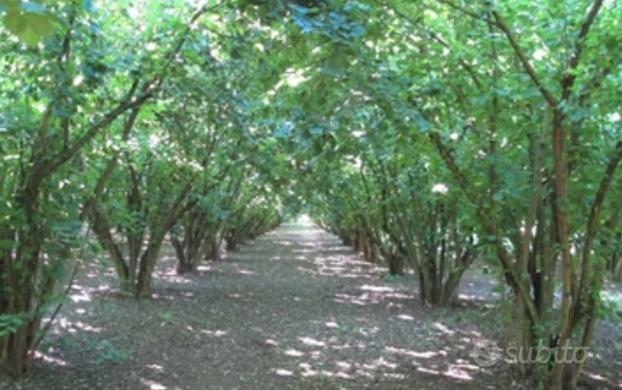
point(129, 102)
point(548, 96)
point(592, 224)
point(569, 76)
point(488, 225)
point(436, 37)
point(522, 57)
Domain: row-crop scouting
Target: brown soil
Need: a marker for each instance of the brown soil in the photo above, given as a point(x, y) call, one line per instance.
point(292, 310)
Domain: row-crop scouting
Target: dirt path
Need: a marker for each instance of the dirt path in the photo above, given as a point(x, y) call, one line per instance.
point(292, 310)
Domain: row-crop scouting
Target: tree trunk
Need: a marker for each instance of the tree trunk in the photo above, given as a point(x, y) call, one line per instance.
point(396, 264)
point(184, 267)
point(14, 355)
point(232, 244)
point(214, 245)
point(147, 264)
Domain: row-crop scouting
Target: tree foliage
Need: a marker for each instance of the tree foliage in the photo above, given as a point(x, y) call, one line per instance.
point(426, 134)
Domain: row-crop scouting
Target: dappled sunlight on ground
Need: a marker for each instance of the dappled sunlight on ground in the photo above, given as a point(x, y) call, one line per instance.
point(294, 309)
point(50, 359)
point(62, 324)
point(318, 357)
point(602, 381)
point(153, 385)
point(366, 295)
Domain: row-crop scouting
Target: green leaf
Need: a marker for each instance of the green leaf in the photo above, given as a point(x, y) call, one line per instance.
point(29, 23)
point(40, 24)
point(14, 21)
point(6, 245)
point(10, 323)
